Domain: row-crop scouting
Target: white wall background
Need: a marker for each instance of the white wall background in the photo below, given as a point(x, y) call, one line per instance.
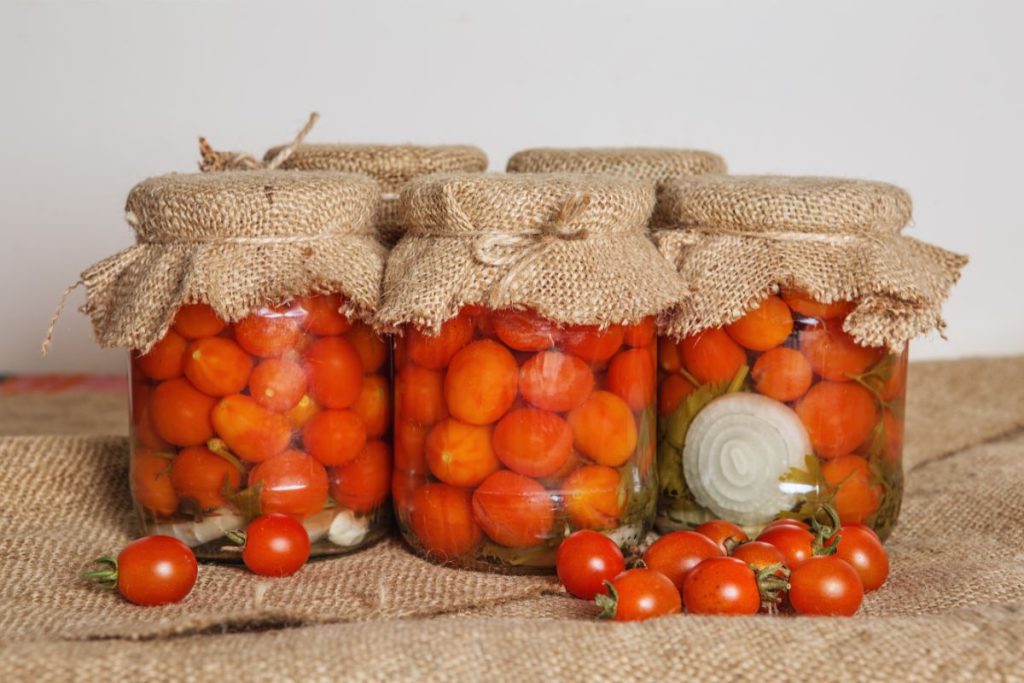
point(97, 95)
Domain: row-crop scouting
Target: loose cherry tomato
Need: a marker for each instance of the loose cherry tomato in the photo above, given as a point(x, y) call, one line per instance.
point(639, 594)
point(860, 547)
point(155, 570)
point(585, 560)
point(759, 555)
point(723, 532)
point(275, 545)
point(675, 554)
point(825, 585)
point(721, 585)
point(794, 543)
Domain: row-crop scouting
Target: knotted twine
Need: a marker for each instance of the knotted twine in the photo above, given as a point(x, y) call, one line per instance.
point(573, 248)
point(736, 239)
point(213, 160)
point(655, 164)
point(238, 241)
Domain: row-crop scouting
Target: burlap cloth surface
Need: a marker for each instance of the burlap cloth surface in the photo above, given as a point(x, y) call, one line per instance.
point(953, 608)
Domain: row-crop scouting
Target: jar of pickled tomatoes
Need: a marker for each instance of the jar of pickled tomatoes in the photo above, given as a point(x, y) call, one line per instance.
point(524, 365)
point(782, 376)
point(257, 385)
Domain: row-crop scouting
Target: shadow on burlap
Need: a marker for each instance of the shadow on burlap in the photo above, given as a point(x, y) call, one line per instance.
point(953, 608)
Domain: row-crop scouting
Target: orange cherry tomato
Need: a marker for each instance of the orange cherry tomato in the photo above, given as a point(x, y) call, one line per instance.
point(372, 350)
point(669, 358)
point(435, 352)
point(410, 447)
point(839, 417)
point(592, 497)
point(302, 413)
point(603, 429)
point(292, 483)
point(143, 431)
point(763, 328)
point(672, 392)
point(460, 454)
point(723, 532)
point(217, 366)
point(441, 518)
point(252, 432)
point(166, 359)
point(639, 334)
point(420, 395)
point(631, 375)
point(323, 317)
point(194, 321)
point(524, 330)
point(555, 381)
point(151, 482)
point(513, 510)
point(834, 355)
point(278, 384)
point(205, 477)
point(181, 413)
point(481, 382)
point(334, 437)
point(267, 335)
point(363, 484)
point(591, 343)
point(335, 372)
point(783, 374)
point(849, 478)
point(373, 406)
point(806, 306)
point(712, 356)
point(533, 442)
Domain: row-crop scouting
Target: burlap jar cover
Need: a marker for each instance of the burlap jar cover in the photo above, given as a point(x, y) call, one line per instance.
point(655, 164)
point(573, 248)
point(238, 241)
point(735, 239)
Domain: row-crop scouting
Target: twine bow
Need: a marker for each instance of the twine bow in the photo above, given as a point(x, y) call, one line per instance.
point(212, 160)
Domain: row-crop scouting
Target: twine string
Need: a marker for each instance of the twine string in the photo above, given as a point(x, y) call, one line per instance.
point(213, 160)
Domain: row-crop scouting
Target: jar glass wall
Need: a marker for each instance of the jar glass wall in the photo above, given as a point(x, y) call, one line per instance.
point(512, 431)
point(286, 411)
point(776, 414)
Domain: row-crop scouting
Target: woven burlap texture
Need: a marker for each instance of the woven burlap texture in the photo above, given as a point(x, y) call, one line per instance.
point(574, 248)
point(735, 239)
point(392, 166)
point(655, 164)
point(237, 240)
point(953, 608)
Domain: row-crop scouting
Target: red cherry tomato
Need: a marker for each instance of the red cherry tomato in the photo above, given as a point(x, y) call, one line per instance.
point(860, 547)
point(585, 560)
point(676, 553)
point(275, 545)
point(826, 586)
point(787, 522)
point(721, 585)
point(794, 542)
point(155, 570)
point(759, 554)
point(723, 532)
point(639, 594)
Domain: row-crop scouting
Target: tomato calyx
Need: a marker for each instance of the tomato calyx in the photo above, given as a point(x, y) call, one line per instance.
point(772, 583)
point(220, 448)
point(235, 536)
point(826, 536)
point(608, 602)
point(105, 577)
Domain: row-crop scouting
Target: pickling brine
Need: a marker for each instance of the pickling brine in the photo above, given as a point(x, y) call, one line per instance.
point(512, 431)
point(285, 411)
point(777, 413)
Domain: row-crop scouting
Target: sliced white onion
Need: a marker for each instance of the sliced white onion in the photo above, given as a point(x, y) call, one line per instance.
point(736, 450)
point(318, 524)
point(213, 526)
point(348, 530)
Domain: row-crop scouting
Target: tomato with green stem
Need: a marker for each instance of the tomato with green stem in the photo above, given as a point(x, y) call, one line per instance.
point(155, 570)
point(723, 532)
point(726, 585)
point(639, 594)
point(825, 585)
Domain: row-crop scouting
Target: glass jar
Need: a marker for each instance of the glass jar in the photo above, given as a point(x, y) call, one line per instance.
point(285, 411)
point(778, 413)
point(512, 431)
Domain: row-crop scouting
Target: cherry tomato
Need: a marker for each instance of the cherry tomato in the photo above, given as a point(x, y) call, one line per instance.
point(825, 585)
point(155, 570)
point(759, 554)
point(639, 594)
point(794, 543)
point(275, 545)
point(786, 521)
point(860, 547)
point(723, 532)
point(585, 560)
point(676, 553)
point(721, 585)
